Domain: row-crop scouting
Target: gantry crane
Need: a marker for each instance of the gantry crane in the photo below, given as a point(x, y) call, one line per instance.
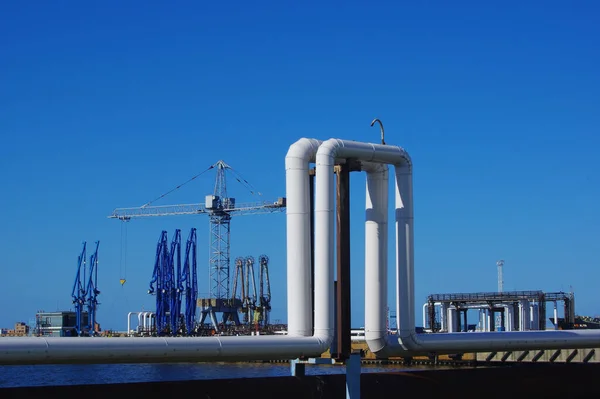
point(219, 208)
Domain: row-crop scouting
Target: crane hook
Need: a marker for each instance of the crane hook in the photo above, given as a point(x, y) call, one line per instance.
point(381, 128)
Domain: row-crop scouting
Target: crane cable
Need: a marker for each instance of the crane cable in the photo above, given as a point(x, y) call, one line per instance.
point(179, 186)
point(123, 260)
point(244, 182)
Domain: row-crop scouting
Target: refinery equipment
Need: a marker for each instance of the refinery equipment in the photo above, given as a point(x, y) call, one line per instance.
point(307, 338)
point(220, 208)
point(85, 292)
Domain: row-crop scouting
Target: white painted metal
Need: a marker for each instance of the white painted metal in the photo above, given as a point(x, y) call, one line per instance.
point(129, 320)
point(297, 163)
point(452, 327)
point(407, 341)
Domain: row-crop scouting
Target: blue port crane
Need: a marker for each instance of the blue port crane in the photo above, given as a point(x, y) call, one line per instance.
point(220, 208)
point(173, 272)
point(79, 290)
point(189, 277)
point(159, 284)
point(92, 292)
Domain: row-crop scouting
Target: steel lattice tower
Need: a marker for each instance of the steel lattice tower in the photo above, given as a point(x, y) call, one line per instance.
point(220, 228)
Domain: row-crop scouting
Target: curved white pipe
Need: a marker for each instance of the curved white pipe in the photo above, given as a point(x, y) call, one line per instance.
point(299, 342)
point(129, 320)
point(297, 162)
point(407, 342)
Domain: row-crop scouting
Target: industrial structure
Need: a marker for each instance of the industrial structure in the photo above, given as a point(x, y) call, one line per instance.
point(315, 317)
point(85, 293)
point(255, 306)
point(170, 283)
point(220, 208)
point(59, 324)
point(515, 310)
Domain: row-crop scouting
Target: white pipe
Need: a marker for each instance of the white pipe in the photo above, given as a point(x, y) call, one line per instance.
point(299, 342)
point(407, 342)
point(129, 320)
point(444, 309)
point(297, 162)
point(145, 321)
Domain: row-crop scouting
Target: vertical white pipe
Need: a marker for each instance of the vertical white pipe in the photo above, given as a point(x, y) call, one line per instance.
point(425, 306)
point(299, 279)
point(376, 232)
point(404, 255)
point(324, 242)
point(129, 321)
point(444, 317)
point(555, 316)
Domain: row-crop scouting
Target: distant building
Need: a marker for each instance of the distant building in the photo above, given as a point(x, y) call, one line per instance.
point(21, 330)
point(57, 324)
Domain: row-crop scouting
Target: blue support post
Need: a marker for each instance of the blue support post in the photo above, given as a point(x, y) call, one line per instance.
point(353, 376)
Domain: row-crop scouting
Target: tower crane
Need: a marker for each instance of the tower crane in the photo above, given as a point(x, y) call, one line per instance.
point(220, 208)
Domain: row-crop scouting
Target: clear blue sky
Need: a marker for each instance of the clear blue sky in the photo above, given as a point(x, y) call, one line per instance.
point(110, 104)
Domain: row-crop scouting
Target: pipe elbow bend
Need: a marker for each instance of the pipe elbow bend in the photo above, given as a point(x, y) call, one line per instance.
point(324, 340)
point(303, 149)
